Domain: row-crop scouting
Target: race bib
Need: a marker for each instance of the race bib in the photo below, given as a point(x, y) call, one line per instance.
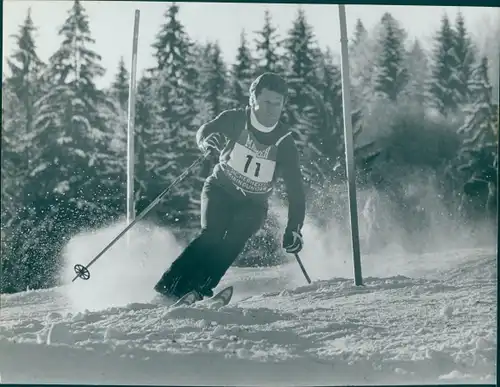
point(248, 163)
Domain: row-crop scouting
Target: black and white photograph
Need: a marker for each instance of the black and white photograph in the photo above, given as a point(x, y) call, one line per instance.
point(203, 193)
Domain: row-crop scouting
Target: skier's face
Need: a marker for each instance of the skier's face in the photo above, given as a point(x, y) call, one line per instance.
point(268, 106)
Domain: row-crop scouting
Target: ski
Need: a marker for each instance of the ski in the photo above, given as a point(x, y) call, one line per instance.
point(222, 298)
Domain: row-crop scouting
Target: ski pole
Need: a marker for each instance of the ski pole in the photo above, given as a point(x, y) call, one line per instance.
point(302, 267)
point(83, 271)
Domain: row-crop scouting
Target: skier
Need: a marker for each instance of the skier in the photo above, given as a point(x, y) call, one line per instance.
point(253, 147)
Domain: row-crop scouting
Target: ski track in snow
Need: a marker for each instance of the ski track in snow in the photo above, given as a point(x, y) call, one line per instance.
point(434, 328)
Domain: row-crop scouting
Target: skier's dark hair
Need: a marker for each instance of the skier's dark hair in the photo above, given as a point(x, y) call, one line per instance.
point(270, 81)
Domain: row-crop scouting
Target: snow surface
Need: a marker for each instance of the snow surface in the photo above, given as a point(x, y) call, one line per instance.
point(417, 319)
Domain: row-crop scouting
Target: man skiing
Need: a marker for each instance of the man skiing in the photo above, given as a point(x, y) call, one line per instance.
point(254, 146)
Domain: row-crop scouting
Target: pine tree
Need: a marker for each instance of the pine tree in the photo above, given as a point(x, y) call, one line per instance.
point(331, 144)
point(22, 89)
point(72, 131)
point(20, 93)
point(116, 123)
point(14, 171)
point(172, 145)
point(147, 109)
point(115, 120)
point(363, 56)
point(25, 67)
point(15, 178)
point(267, 46)
point(242, 73)
point(360, 33)
point(26, 83)
point(120, 85)
point(418, 74)
point(70, 111)
point(212, 98)
point(173, 50)
point(465, 57)
point(391, 75)
point(214, 77)
point(65, 192)
point(301, 51)
point(489, 46)
point(443, 81)
point(479, 157)
point(305, 104)
point(117, 115)
point(300, 60)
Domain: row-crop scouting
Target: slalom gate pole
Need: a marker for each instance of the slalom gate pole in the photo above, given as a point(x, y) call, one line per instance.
point(131, 125)
point(302, 267)
point(349, 147)
point(83, 271)
point(131, 129)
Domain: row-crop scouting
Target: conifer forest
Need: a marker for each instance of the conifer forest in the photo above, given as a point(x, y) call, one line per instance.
point(425, 124)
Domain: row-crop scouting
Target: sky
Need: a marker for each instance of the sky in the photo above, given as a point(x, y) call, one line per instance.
point(111, 24)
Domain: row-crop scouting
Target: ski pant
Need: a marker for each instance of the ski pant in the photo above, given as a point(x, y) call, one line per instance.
point(227, 222)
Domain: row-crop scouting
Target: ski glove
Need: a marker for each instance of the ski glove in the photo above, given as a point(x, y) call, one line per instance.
point(292, 241)
point(215, 141)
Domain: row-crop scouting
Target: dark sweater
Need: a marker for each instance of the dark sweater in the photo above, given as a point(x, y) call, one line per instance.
point(230, 123)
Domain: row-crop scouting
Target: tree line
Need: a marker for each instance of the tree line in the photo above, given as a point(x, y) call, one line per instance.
point(64, 139)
